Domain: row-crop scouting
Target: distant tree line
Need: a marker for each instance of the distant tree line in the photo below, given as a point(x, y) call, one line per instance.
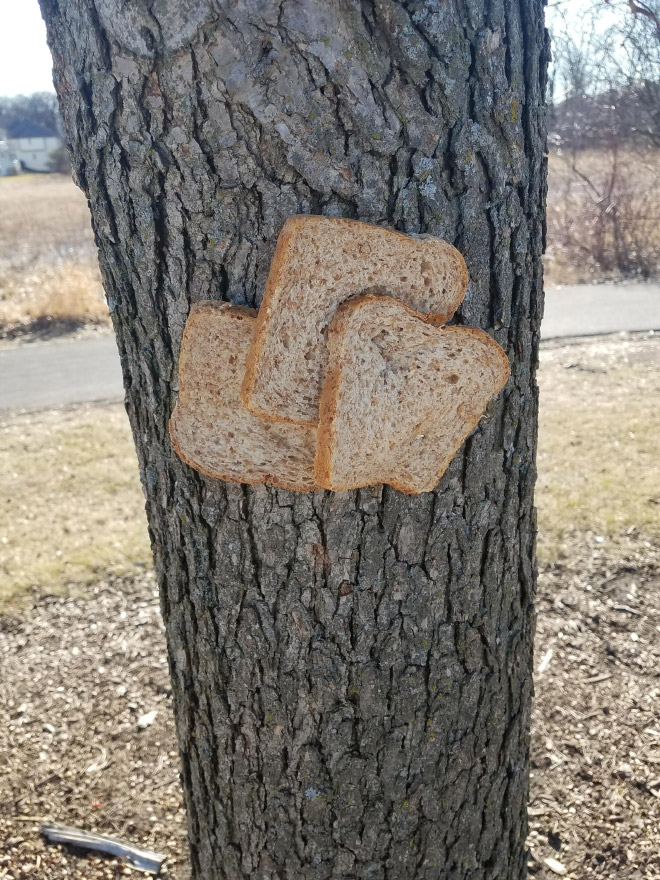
point(40, 107)
point(604, 127)
point(605, 82)
point(629, 113)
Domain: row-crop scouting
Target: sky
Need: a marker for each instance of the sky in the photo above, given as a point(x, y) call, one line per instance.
point(25, 62)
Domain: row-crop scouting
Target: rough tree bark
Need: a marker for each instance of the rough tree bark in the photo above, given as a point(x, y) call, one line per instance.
point(351, 672)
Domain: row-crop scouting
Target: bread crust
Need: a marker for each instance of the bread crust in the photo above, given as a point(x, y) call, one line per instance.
point(197, 311)
point(329, 403)
point(267, 481)
point(278, 266)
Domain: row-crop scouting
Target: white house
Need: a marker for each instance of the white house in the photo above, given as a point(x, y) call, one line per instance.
point(9, 164)
point(32, 144)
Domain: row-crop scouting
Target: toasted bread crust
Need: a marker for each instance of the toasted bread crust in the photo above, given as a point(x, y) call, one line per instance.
point(329, 404)
point(278, 268)
point(197, 312)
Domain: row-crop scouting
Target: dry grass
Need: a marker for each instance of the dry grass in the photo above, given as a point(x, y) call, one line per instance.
point(598, 462)
point(48, 265)
point(74, 507)
point(603, 216)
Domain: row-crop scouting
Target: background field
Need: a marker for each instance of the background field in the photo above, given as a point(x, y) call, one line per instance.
point(50, 282)
point(603, 215)
point(49, 274)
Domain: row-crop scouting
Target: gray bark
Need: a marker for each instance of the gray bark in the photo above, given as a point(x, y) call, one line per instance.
point(351, 672)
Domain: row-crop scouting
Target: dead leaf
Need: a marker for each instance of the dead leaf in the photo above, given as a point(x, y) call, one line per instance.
point(146, 720)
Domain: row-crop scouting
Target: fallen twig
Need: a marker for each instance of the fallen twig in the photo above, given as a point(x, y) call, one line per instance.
point(628, 610)
point(595, 679)
point(142, 859)
point(591, 714)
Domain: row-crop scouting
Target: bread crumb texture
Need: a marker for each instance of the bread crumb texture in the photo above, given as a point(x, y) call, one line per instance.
point(210, 428)
point(347, 339)
point(401, 395)
point(319, 263)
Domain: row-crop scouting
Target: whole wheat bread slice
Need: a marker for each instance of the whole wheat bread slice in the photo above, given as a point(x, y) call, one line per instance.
point(319, 262)
point(400, 395)
point(210, 428)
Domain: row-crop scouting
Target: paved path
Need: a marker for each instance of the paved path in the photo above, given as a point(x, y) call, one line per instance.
point(49, 374)
point(42, 375)
point(589, 309)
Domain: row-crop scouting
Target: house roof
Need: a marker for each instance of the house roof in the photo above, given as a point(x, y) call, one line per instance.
point(23, 128)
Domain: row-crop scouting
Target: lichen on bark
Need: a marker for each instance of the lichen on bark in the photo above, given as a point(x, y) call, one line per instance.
point(351, 672)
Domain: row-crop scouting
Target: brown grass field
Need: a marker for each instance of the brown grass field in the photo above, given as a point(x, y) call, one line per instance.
point(603, 216)
point(48, 266)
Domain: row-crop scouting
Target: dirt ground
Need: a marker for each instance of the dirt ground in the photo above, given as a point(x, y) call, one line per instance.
point(595, 788)
point(79, 672)
point(78, 675)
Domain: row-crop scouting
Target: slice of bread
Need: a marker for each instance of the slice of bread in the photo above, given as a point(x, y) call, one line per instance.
point(400, 395)
point(319, 262)
point(210, 428)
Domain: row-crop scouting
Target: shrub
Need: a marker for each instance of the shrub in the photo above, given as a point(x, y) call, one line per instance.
point(58, 161)
point(604, 214)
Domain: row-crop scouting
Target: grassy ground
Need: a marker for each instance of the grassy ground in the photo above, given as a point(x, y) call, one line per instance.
point(598, 462)
point(48, 266)
point(74, 506)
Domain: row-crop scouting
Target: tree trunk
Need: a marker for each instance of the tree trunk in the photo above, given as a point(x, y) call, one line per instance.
point(351, 672)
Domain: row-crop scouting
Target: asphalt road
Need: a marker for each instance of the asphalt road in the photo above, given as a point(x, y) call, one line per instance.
point(592, 309)
point(43, 375)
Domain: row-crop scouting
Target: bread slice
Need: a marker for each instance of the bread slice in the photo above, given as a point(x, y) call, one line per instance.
point(210, 428)
point(319, 262)
point(400, 395)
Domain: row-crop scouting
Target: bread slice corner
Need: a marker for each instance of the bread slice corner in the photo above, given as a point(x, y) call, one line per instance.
point(210, 429)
